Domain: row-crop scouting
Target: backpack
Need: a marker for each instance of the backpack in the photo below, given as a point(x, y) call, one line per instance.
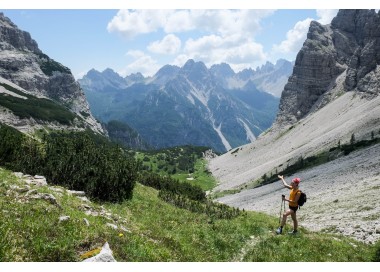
point(302, 199)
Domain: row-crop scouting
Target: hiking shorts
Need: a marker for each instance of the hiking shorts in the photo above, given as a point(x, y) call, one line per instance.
point(293, 208)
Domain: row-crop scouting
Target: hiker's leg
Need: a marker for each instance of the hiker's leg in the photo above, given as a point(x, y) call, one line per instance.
point(284, 216)
point(295, 221)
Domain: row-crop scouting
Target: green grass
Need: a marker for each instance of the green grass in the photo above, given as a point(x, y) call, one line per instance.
point(193, 171)
point(220, 194)
point(201, 176)
point(157, 232)
point(308, 247)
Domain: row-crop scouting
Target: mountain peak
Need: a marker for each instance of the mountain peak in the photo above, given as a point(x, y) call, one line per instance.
point(335, 58)
point(93, 73)
point(14, 38)
point(167, 69)
point(166, 73)
point(222, 70)
point(5, 21)
point(134, 78)
point(191, 65)
point(194, 69)
point(267, 67)
point(109, 71)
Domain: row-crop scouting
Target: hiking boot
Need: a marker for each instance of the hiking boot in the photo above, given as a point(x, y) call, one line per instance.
point(294, 232)
point(279, 230)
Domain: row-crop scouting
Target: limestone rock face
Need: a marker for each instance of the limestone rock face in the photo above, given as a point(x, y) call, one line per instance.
point(333, 93)
point(24, 64)
point(13, 38)
point(357, 35)
point(348, 50)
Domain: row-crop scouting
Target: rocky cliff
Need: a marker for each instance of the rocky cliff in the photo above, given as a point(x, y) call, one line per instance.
point(332, 95)
point(347, 50)
point(25, 65)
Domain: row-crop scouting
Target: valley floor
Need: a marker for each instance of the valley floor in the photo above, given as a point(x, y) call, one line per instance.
point(343, 196)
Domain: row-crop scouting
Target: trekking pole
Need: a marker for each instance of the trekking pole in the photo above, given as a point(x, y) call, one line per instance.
point(279, 219)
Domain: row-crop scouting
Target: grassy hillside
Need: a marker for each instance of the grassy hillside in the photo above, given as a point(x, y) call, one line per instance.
point(184, 163)
point(149, 229)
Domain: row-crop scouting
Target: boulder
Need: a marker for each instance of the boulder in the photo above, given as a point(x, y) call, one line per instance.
point(105, 255)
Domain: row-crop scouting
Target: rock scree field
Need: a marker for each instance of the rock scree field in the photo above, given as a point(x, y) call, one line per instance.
point(343, 196)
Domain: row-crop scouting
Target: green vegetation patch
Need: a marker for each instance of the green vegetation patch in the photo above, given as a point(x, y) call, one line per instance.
point(184, 163)
point(48, 66)
point(37, 108)
point(309, 247)
point(80, 161)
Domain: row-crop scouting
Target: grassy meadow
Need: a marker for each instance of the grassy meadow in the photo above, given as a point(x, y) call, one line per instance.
point(147, 229)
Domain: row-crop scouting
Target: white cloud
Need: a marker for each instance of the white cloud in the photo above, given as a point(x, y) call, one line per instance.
point(223, 22)
point(170, 44)
point(222, 35)
point(294, 37)
point(326, 15)
point(141, 62)
point(237, 51)
point(179, 21)
point(180, 60)
point(203, 44)
point(131, 23)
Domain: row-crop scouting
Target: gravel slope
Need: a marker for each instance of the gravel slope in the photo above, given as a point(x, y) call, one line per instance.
point(343, 196)
point(347, 114)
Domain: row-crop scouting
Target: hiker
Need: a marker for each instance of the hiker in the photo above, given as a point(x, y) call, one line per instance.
point(293, 204)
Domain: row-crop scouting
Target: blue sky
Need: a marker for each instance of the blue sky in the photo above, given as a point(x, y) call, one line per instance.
point(130, 41)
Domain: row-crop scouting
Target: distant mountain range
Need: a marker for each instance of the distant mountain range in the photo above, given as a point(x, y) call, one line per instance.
point(192, 104)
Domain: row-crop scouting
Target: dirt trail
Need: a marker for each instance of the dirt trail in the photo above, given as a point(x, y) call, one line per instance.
point(343, 196)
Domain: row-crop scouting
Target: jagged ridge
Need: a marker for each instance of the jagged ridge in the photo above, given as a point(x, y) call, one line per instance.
point(187, 105)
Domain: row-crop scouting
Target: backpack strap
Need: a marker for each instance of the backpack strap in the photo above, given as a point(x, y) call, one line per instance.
point(298, 190)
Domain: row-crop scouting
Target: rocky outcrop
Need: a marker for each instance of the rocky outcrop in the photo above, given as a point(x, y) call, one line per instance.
point(348, 50)
point(105, 255)
point(24, 64)
point(13, 38)
point(357, 39)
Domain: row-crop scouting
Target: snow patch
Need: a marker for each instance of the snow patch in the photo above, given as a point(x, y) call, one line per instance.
point(198, 94)
point(250, 136)
point(191, 99)
point(221, 136)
